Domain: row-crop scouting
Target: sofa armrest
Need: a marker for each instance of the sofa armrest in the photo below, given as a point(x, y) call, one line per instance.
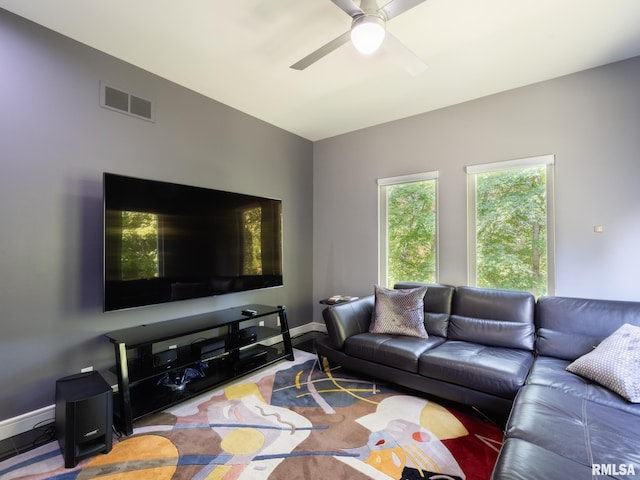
point(347, 319)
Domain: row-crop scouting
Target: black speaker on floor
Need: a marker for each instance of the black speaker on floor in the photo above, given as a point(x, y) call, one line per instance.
point(84, 416)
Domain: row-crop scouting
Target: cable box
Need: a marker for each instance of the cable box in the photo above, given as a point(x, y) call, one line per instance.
point(206, 349)
point(165, 359)
point(250, 357)
point(248, 335)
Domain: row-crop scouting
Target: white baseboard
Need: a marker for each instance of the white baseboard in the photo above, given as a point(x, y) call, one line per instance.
point(27, 421)
point(308, 328)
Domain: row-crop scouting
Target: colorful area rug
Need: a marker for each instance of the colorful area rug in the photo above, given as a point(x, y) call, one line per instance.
point(291, 421)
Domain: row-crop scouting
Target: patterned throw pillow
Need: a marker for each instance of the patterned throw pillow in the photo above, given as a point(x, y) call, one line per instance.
point(399, 312)
point(615, 363)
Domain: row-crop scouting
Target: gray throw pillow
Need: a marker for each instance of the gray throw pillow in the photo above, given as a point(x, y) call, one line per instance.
point(399, 312)
point(614, 363)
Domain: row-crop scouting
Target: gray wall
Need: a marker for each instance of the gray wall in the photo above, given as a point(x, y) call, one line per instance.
point(589, 120)
point(55, 142)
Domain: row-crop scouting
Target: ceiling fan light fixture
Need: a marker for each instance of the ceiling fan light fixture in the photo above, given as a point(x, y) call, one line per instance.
point(367, 33)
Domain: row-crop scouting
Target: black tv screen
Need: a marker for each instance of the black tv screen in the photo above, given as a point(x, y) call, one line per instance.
point(165, 242)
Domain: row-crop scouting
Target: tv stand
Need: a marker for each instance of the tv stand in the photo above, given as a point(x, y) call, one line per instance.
point(164, 363)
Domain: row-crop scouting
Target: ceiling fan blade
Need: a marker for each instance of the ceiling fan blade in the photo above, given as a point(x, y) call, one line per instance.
point(349, 7)
point(411, 62)
point(322, 51)
point(396, 7)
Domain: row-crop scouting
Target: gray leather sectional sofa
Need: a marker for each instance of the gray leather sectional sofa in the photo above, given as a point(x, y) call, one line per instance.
point(503, 352)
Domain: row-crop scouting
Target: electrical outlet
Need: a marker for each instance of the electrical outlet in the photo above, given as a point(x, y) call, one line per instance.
point(261, 323)
point(86, 369)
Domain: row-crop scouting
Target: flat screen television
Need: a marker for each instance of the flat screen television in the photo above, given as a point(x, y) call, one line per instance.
point(165, 242)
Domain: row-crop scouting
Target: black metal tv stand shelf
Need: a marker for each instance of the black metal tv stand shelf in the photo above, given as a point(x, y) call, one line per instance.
point(164, 363)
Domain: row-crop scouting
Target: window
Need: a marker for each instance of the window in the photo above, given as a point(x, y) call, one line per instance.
point(408, 229)
point(511, 225)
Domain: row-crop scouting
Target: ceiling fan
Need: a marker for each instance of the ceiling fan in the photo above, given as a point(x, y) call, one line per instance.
point(368, 33)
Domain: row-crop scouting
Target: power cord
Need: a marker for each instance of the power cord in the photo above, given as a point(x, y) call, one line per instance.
point(47, 433)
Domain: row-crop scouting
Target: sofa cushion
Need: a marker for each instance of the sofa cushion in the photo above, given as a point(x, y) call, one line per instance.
point(508, 305)
point(551, 372)
point(399, 312)
point(491, 332)
point(501, 318)
point(495, 370)
point(582, 431)
point(568, 346)
point(394, 351)
point(615, 363)
point(522, 460)
point(568, 327)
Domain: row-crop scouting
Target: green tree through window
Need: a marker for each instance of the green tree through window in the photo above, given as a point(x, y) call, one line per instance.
point(512, 231)
point(409, 239)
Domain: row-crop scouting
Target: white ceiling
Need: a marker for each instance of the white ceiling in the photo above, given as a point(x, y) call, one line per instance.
point(238, 52)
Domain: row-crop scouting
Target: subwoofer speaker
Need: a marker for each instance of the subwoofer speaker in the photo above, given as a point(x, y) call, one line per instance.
point(84, 416)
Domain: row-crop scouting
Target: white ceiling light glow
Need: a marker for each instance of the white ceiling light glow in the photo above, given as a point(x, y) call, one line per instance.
point(367, 33)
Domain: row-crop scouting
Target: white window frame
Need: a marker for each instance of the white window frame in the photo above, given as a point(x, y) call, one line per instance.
point(472, 171)
point(383, 234)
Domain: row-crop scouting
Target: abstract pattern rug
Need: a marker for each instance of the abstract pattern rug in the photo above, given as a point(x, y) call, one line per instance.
point(294, 420)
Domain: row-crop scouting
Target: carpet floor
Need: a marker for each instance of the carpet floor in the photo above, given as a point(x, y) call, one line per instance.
point(293, 420)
